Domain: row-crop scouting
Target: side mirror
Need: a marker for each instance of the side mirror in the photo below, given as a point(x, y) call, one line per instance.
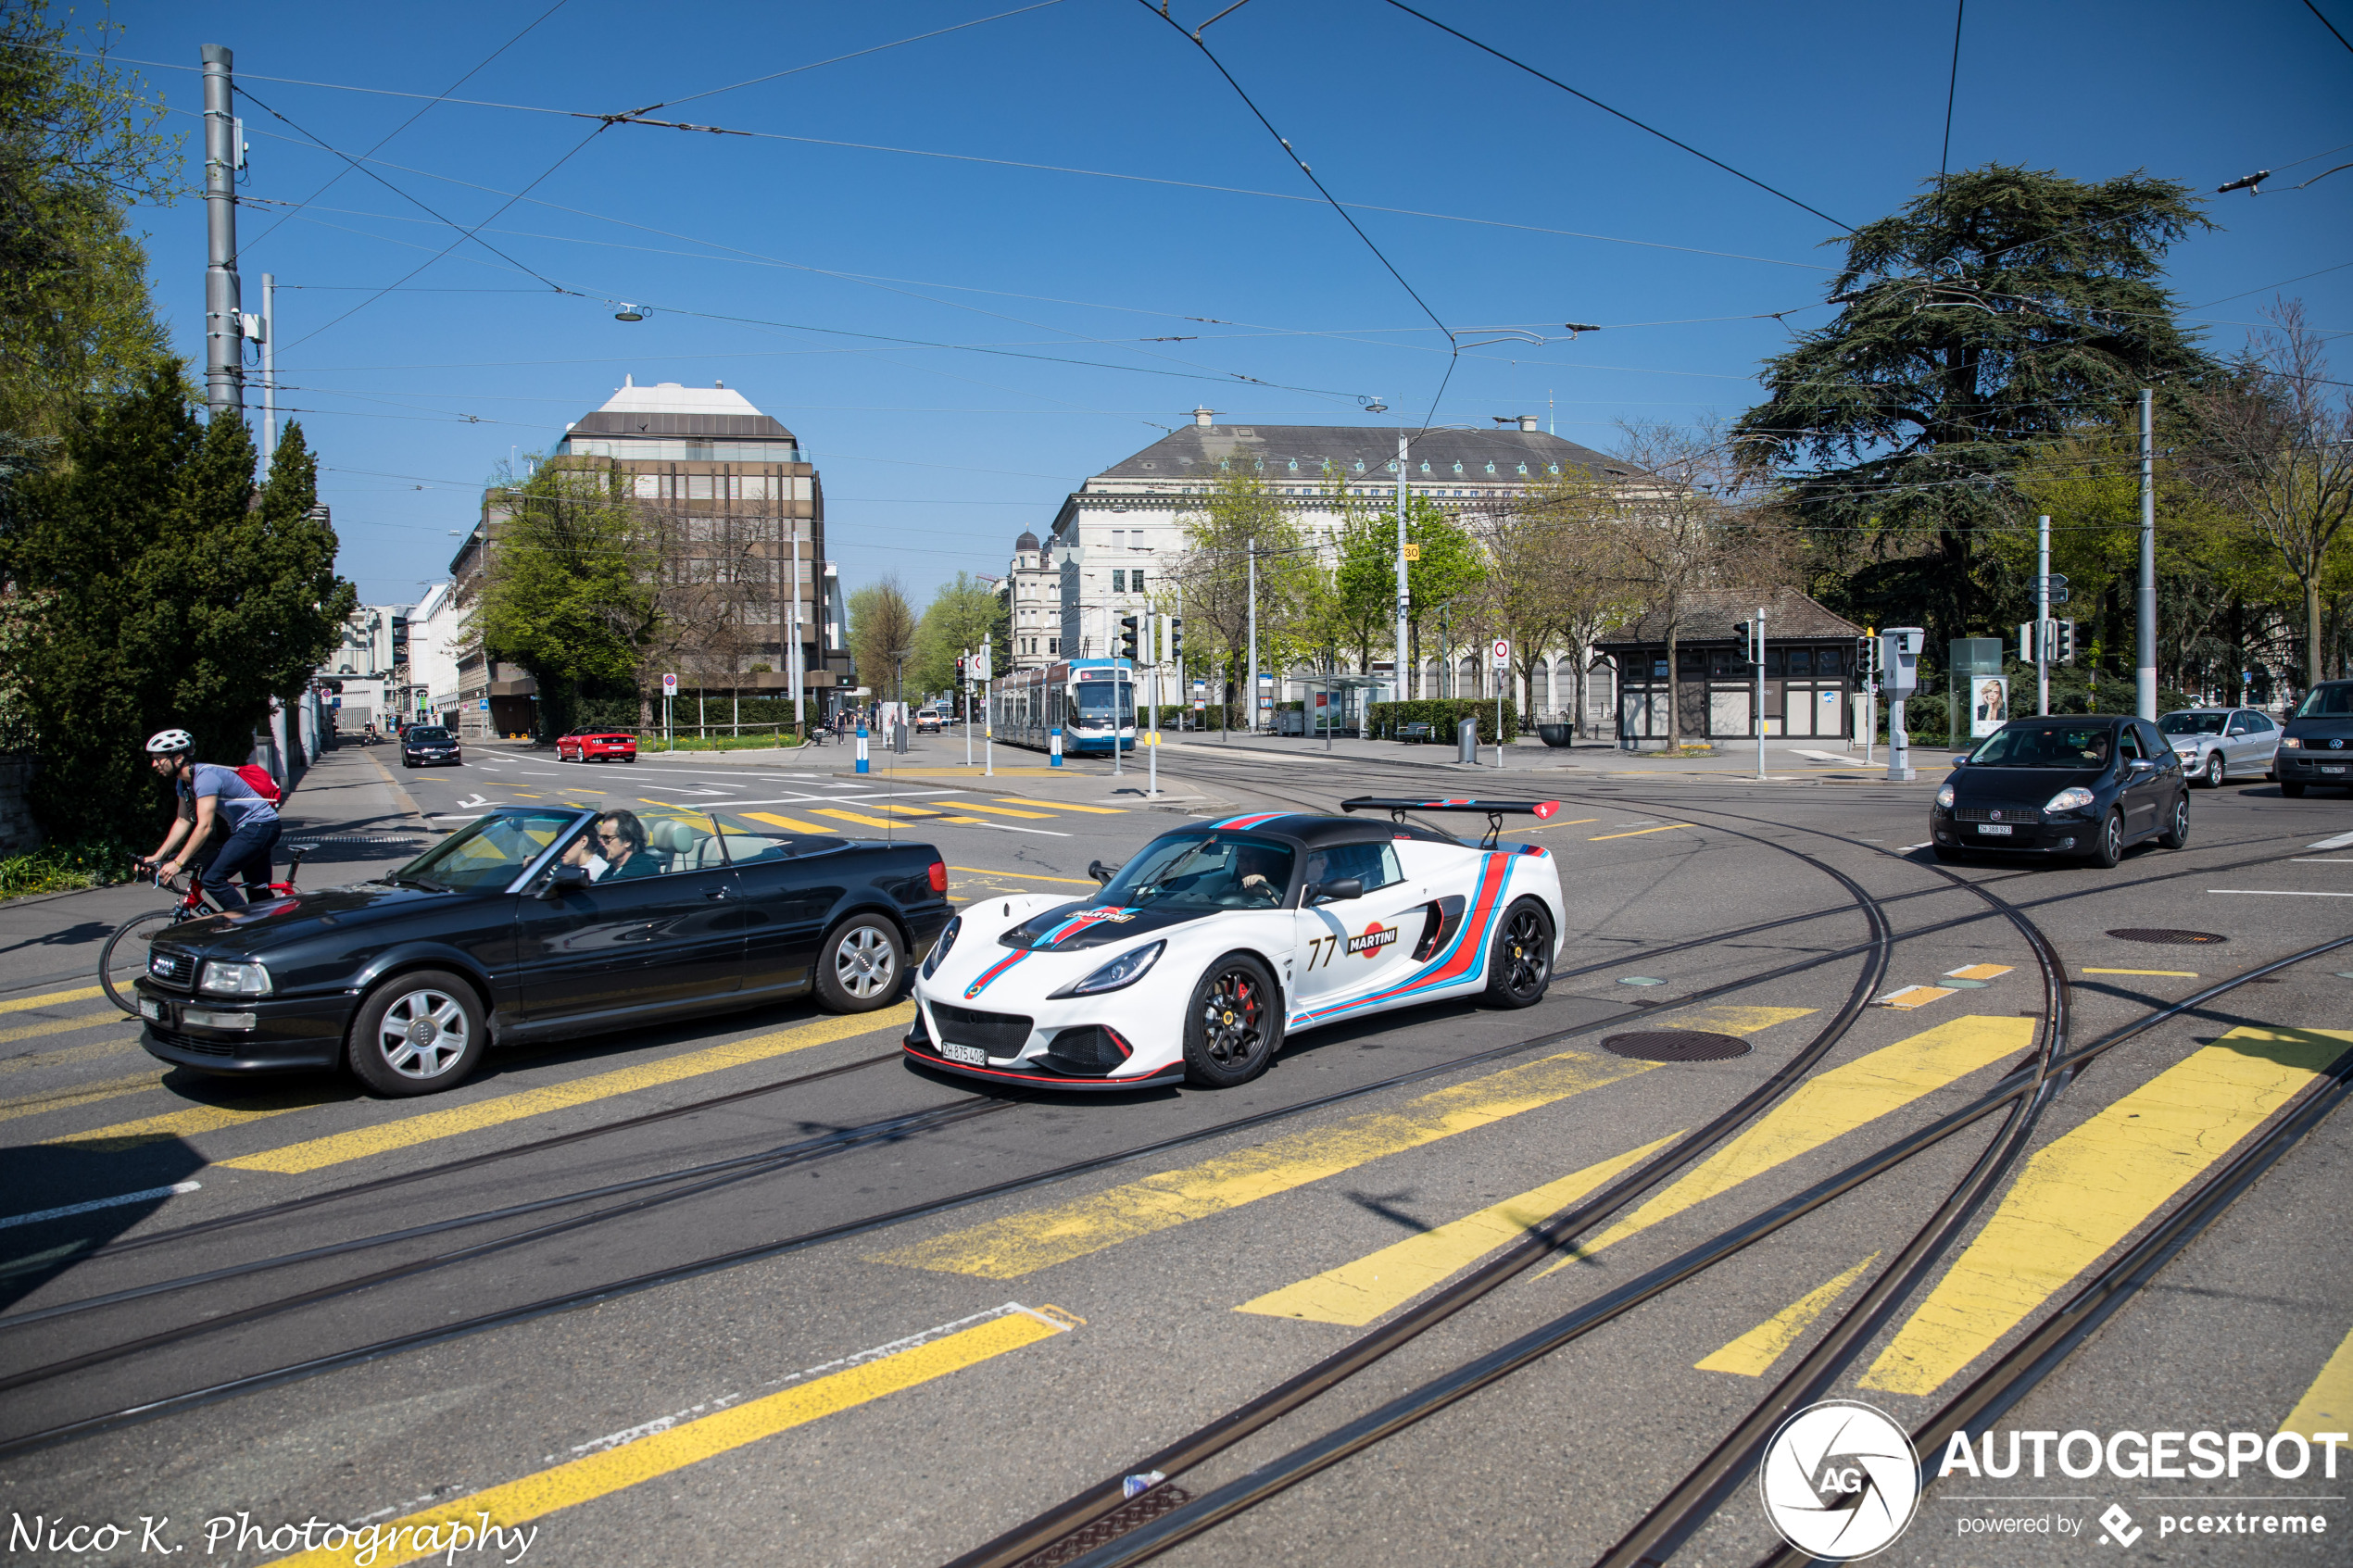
point(1337, 891)
point(2140, 764)
point(1102, 873)
point(563, 880)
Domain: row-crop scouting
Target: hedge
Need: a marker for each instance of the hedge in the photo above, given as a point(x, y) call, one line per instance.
point(1442, 715)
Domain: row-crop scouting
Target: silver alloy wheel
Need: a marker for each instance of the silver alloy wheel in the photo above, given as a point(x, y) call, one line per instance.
point(2214, 770)
point(423, 1033)
point(864, 963)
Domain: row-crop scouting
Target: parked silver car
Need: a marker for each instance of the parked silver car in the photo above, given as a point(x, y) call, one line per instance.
point(2220, 744)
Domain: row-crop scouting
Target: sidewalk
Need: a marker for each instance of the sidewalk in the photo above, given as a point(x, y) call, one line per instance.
point(348, 805)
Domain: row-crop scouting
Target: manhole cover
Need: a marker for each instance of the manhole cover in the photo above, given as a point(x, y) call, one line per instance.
point(2168, 938)
point(1676, 1045)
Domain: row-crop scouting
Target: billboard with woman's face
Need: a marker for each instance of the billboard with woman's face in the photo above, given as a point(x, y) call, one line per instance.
point(1991, 708)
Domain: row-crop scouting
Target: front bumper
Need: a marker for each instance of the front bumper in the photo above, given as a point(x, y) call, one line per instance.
point(427, 758)
point(1034, 1061)
point(2314, 767)
point(2067, 837)
point(288, 1035)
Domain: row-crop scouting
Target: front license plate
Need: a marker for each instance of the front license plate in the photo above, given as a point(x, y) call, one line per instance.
point(1998, 830)
point(2326, 769)
point(971, 1056)
point(155, 1009)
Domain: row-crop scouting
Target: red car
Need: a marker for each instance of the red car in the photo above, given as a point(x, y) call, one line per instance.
point(611, 746)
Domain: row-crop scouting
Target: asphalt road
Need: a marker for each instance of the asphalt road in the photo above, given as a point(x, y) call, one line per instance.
point(865, 1315)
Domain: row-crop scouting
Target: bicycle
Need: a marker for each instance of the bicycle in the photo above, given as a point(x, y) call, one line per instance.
point(124, 958)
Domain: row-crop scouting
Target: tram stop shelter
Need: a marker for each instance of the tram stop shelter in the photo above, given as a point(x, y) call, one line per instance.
point(1329, 704)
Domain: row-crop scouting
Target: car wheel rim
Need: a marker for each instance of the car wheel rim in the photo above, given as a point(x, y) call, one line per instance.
point(1233, 1018)
point(864, 963)
point(2214, 772)
point(2181, 818)
point(2113, 837)
point(422, 1034)
point(1524, 957)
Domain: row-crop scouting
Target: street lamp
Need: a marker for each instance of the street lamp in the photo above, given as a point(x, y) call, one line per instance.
point(629, 313)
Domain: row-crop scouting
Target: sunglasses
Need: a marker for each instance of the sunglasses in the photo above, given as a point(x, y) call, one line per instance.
point(609, 837)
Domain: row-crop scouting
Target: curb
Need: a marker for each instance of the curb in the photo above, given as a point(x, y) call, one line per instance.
point(399, 793)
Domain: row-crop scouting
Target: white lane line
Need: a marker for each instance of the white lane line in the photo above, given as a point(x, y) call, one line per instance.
point(2320, 860)
point(1908, 849)
point(1008, 827)
point(454, 816)
point(39, 1214)
point(2341, 841)
point(2280, 893)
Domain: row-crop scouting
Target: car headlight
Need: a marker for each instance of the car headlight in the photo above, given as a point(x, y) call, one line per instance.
point(1124, 969)
point(2292, 743)
point(1944, 797)
point(235, 980)
point(939, 948)
point(2069, 800)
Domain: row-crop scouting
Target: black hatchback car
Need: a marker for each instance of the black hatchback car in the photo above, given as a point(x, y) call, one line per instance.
point(2086, 785)
point(2318, 745)
point(424, 745)
point(532, 924)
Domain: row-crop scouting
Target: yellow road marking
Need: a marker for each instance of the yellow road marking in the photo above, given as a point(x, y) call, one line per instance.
point(1979, 972)
point(616, 1469)
point(2090, 1189)
point(2327, 1406)
point(2173, 974)
point(993, 810)
point(894, 808)
point(1066, 806)
point(62, 1025)
point(1830, 1106)
point(1026, 876)
point(71, 1053)
point(52, 998)
point(852, 817)
point(80, 1094)
point(182, 1123)
point(1022, 1244)
point(790, 824)
point(1911, 997)
point(406, 1131)
point(1666, 827)
point(1753, 1353)
point(1356, 1293)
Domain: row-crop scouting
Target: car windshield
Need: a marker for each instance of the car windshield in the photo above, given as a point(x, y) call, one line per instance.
point(428, 734)
point(485, 854)
point(1207, 871)
point(2045, 746)
point(2188, 724)
point(2327, 702)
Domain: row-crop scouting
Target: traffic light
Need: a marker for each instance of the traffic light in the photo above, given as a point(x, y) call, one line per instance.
point(1752, 637)
point(2066, 641)
point(1127, 638)
point(1176, 636)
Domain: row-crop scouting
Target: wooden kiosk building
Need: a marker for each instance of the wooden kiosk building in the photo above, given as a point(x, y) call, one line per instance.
point(1813, 669)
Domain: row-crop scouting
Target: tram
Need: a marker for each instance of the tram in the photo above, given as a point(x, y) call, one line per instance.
point(1090, 700)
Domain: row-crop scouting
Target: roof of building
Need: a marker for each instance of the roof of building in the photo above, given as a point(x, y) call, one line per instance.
point(1193, 450)
point(1027, 541)
point(1712, 615)
point(673, 409)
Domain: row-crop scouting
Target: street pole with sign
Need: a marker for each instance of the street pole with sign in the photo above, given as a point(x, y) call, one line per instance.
point(1760, 656)
point(1502, 668)
point(669, 692)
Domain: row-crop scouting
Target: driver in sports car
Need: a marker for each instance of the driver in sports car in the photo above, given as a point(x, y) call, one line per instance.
point(1249, 876)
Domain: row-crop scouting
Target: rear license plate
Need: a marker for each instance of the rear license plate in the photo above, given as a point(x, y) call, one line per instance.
point(149, 1007)
point(971, 1056)
point(1998, 830)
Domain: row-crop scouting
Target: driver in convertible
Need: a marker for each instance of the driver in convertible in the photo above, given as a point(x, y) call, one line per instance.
point(616, 850)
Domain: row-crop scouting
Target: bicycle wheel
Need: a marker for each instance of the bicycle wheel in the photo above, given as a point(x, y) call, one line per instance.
point(124, 958)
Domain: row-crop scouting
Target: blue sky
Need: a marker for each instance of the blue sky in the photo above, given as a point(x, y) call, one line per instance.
point(762, 257)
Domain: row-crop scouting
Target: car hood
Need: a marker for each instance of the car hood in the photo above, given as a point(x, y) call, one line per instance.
point(2322, 730)
point(1074, 927)
point(2018, 786)
point(274, 923)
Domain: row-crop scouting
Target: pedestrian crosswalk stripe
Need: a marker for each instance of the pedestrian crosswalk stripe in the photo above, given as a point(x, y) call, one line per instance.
point(2092, 1187)
point(790, 824)
point(32, 1059)
point(992, 810)
point(1829, 1106)
point(851, 817)
point(1024, 1242)
point(1066, 806)
point(404, 1132)
point(185, 1123)
point(1356, 1293)
point(80, 1094)
point(1979, 972)
point(61, 1027)
point(1753, 1353)
point(672, 1448)
point(51, 999)
point(2327, 1406)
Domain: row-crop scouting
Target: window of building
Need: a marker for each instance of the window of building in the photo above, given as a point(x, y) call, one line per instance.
point(1053, 645)
point(698, 487)
point(1136, 579)
point(1826, 661)
point(1801, 661)
point(1119, 581)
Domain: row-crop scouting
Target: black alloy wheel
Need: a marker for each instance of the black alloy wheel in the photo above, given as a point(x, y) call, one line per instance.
point(1521, 963)
point(1234, 1023)
point(2107, 850)
point(2177, 822)
point(2215, 772)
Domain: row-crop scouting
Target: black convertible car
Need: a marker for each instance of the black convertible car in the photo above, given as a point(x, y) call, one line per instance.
point(2086, 785)
point(532, 924)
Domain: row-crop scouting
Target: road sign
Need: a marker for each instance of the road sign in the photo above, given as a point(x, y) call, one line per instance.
point(1502, 653)
point(670, 685)
point(1412, 550)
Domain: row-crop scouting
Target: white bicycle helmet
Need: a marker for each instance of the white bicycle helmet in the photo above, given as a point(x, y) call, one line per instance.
point(166, 742)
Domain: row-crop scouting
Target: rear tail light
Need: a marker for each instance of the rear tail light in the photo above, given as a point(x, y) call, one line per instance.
point(940, 876)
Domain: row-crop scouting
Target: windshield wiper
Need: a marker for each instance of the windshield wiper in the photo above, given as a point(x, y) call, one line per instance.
point(402, 880)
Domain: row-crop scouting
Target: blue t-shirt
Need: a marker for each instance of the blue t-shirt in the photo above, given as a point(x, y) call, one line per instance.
point(235, 801)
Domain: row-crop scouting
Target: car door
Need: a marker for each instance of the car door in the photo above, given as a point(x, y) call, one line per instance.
point(789, 885)
point(2262, 742)
point(2138, 786)
point(1350, 949)
point(633, 942)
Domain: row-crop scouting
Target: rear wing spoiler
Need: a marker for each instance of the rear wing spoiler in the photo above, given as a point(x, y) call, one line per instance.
point(1493, 810)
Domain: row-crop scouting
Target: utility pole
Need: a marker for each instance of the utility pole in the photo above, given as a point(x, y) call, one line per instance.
point(268, 370)
point(224, 374)
point(2042, 616)
point(1404, 596)
point(1760, 693)
point(1251, 696)
point(2147, 606)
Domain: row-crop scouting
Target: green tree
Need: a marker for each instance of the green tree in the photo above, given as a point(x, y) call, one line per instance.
point(882, 635)
point(1991, 315)
point(173, 595)
point(1443, 577)
point(572, 594)
point(958, 616)
point(79, 144)
point(1238, 529)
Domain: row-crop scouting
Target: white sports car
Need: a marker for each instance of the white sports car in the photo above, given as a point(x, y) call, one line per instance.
point(1215, 941)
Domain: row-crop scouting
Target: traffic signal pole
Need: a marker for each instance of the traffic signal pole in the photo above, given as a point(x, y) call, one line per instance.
point(1760, 691)
point(2043, 617)
point(2144, 603)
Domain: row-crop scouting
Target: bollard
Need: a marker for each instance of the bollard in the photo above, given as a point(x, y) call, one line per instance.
point(1054, 747)
point(1466, 741)
point(861, 749)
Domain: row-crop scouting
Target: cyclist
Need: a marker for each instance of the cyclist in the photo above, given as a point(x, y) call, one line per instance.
point(210, 795)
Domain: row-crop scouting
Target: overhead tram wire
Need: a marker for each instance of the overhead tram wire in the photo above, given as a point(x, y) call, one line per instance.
point(2326, 24)
point(1952, 89)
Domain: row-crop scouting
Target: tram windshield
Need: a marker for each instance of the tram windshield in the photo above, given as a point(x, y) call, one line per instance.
point(1095, 700)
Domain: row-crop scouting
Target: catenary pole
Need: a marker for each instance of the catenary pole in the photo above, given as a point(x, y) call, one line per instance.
point(224, 375)
point(268, 369)
point(2042, 616)
point(1760, 693)
point(1405, 594)
point(1250, 695)
point(2145, 605)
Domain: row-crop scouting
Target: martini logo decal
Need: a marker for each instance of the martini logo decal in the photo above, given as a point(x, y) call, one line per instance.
point(1375, 938)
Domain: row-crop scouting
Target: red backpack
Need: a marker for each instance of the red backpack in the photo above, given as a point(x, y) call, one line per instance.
point(254, 774)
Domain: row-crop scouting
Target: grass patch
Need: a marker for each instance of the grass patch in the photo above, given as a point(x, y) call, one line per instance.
point(63, 868)
point(721, 742)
